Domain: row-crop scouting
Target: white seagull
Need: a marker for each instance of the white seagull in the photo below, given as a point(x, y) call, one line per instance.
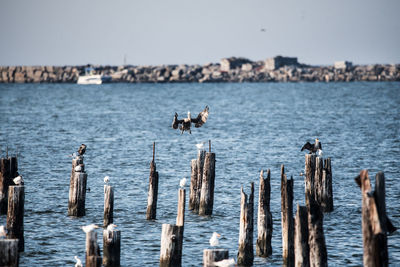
point(200, 146)
point(89, 228)
point(78, 168)
point(182, 182)
point(78, 262)
point(214, 239)
point(18, 180)
point(106, 179)
point(319, 152)
point(3, 232)
point(225, 263)
point(111, 227)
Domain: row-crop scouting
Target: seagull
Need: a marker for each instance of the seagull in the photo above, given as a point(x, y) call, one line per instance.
point(187, 122)
point(18, 180)
point(200, 146)
point(3, 232)
point(111, 227)
point(78, 168)
point(214, 239)
point(106, 179)
point(225, 263)
point(182, 182)
point(312, 147)
point(89, 228)
point(78, 262)
point(82, 149)
point(319, 152)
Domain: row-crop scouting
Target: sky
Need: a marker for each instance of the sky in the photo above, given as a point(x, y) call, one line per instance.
point(156, 32)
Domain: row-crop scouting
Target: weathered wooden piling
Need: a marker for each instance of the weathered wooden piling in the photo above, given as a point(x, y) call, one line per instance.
point(318, 186)
point(201, 154)
point(301, 248)
point(15, 214)
point(153, 190)
point(77, 194)
point(108, 205)
point(375, 223)
point(171, 245)
point(92, 250)
point(193, 184)
point(264, 221)
point(8, 171)
point(111, 248)
point(210, 256)
point(287, 219)
point(245, 254)
point(309, 172)
point(327, 198)
point(180, 218)
point(9, 252)
point(207, 186)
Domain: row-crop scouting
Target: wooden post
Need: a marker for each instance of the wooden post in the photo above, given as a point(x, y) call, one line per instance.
point(171, 245)
point(201, 154)
point(153, 193)
point(327, 182)
point(318, 186)
point(9, 252)
point(8, 171)
point(207, 186)
point(108, 205)
point(15, 215)
point(180, 218)
point(93, 261)
point(77, 195)
point(264, 222)
point(193, 184)
point(92, 249)
point(375, 223)
point(309, 175)
point(111, 248)
point(210, 256)
point(245, 252)
point(301, 248)
point(287, 219)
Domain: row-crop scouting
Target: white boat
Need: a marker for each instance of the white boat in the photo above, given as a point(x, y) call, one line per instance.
point(91, 78)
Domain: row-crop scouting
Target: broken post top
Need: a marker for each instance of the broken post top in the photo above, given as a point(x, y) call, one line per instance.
point(154, 150)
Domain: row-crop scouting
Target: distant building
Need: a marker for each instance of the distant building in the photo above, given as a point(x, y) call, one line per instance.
point(343, 65)
point(279, 61)
point(233, 63)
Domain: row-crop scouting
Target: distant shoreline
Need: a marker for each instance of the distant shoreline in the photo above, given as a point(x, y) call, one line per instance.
point(278, 69)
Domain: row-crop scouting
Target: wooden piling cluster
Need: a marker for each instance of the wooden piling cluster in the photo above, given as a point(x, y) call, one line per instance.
point(8, 171)
point(153, 190)
point(77, 189)
point(245, 254)
point(375, 223)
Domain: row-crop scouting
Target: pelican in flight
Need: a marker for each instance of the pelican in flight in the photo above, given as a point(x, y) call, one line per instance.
point(82, 149)
point(313, 148)
point(187, 122)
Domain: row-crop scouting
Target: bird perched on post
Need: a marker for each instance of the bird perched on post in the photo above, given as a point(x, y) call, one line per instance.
point(187, 122)
point(89, 228)
point(313, 148)
point(106, 179)
point(78, 262)
point(3, 231)
point(214, 239)
point(82, 149)
point(18, 180)
point(182, 182)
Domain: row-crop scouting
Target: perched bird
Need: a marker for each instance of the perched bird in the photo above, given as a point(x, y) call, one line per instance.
point(106, 179)
point(200, 146)
point(82, 149)
point(319, 153)
point(78, 262)
point(78, 168)
point(111, 227)
point(18, 180)
point(225, 263)
point(3, 231)
point(89, 228)
point(214, 239)
point(187, 122)
point(312, 147)
point(182, 182)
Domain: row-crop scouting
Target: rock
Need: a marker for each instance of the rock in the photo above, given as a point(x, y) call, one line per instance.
point(19, 77)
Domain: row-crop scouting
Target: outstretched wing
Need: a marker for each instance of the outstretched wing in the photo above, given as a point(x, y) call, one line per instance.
point(176, 122)
point(201, 118)
point(307, 146)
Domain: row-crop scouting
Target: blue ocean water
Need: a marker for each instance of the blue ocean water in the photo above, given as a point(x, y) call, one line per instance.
point(252, 126)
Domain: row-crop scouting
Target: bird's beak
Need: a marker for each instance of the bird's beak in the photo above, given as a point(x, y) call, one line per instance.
point(218, 235)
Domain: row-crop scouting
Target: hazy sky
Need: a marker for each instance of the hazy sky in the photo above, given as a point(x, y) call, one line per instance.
point(53, 32)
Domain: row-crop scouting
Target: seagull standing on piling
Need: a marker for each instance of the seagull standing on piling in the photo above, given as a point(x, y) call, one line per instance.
point(111, 227)
point(18, 180)
point(78, 262)
point(182, 182)
point(3, 232)
point(78, 168)
point(214, 239)
point(89, 228)
point(106, 179)
point(200, 146)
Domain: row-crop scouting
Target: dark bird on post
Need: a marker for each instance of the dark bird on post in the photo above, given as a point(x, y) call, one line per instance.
point(82, 149)
point(313, 148)
point(187, 122)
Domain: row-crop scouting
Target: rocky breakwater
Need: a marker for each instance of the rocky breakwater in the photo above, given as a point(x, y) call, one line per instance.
point(277, 69)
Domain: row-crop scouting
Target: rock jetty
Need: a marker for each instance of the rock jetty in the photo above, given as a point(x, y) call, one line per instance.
point(277, 69)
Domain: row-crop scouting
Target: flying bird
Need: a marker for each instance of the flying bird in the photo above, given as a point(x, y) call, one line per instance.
point(187, 122)
point(312, 147)
point(182, 182)
point(3, 231)
point(214, 239)
point(89, 228)
point(18, 180)
point(78, 262)
point(106, 179)
point(82, 149)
